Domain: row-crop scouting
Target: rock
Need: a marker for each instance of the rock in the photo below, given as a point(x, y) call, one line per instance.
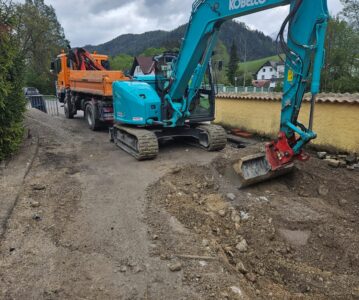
point(123, 269)
point(205, 243)
point(195, 196)
point(175, 267)
point(235, 217)
point(231, 196)
point(12, 249)
point(351, 168)
point(36, 217)
point(244, 216)
point(34, 204)
point(323, 190)
point(155, 237)
point(38, 187)
point(242, 246)
point(251, 277)
point(356, 166)
point(222, 213)
point(333, 163)
point(322, 155)
point(342, 163)
point(342, 202)
point(241, 268)
point(351, 159)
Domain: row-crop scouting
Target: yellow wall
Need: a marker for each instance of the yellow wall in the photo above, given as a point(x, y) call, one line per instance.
point(337, 124)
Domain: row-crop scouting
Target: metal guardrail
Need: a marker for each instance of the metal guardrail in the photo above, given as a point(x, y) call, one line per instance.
point(220, 88)
point(46, 103)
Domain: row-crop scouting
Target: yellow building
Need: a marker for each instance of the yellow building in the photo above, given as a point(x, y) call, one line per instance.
point(336, 117)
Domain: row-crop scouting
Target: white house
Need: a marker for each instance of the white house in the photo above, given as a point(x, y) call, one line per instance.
point(271, 72)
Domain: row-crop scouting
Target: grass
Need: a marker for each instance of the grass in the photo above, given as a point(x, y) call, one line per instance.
point(253, 66)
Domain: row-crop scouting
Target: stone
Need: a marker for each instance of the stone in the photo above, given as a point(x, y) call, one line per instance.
point(333, 163)
point(242, 246)
point(342, 202)
point(342, 163)
point(123, 269)
point(231, 196)
point(38, 187)
point(244, 216)
point(175, 267)
point(241, 268)
point(222, 213)
point(34, 204)
point(323, 190)
point(205, 243)
point(351, 159)
point(235, 217)
point(322, 155)
point(36, 217)
point(251, 277)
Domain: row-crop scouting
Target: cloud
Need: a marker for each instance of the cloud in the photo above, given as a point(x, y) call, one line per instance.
point(98, 21)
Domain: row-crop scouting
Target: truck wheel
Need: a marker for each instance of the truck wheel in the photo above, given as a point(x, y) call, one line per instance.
point(90, 114)
point(69, 111)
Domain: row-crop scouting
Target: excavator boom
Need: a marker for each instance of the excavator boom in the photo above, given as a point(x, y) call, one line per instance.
point(303, 48)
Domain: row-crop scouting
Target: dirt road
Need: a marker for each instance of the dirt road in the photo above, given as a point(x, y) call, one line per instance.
point(92, 223)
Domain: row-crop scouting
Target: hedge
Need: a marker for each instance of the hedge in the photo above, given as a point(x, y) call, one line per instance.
point(12, 102)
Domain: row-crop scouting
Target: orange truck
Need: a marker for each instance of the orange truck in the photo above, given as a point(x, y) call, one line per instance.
point(84, 82)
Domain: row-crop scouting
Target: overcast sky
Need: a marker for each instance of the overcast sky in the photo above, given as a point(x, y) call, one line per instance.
point(98, 21)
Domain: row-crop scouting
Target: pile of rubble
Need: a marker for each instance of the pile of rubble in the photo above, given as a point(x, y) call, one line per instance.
point(350, 161)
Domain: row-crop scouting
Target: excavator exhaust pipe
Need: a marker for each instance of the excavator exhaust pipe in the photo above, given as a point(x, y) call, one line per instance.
point(255, 168)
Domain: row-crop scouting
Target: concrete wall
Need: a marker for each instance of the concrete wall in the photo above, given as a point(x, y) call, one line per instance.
point(337, 124)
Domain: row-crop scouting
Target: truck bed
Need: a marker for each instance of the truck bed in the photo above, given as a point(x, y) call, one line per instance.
point(94, 82)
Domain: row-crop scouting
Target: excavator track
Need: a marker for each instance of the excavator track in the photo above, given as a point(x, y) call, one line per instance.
point(216, 137)
point(140, 143)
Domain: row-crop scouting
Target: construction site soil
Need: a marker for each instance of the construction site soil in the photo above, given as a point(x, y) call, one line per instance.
point(295, 237)
point(84, 220)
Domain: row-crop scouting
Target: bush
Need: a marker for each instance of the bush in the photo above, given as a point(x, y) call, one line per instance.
point(12, 102)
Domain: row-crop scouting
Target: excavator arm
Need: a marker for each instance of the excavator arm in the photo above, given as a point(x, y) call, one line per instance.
point(304, 54)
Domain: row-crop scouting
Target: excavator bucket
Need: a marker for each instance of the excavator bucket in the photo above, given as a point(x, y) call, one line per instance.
point(256, 168)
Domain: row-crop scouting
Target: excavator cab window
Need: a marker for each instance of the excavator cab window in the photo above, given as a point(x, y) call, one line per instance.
point(202, 107)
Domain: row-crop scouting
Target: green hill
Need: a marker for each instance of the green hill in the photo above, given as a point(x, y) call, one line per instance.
point(252, 67)
point(257, 44)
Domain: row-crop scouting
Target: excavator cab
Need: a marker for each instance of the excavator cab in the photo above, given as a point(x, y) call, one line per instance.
point(202, 106)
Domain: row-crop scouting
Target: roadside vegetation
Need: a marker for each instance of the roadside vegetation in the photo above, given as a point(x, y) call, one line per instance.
point(30, 36)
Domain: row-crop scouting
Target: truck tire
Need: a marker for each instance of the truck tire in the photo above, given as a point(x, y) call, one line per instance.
point(69, 110)
point(91, 117)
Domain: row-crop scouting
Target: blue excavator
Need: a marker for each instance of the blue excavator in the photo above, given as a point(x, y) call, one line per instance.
point(179, 100)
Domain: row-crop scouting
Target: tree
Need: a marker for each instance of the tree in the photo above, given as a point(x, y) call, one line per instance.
point(220, 57)
point(153, 51)
point(12, 102)
point(233, 63)
point(42, 39)
point(351, 12)
point(341, 68)
point(121, 62)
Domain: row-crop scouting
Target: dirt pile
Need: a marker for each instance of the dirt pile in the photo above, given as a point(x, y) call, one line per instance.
point(294, 237)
